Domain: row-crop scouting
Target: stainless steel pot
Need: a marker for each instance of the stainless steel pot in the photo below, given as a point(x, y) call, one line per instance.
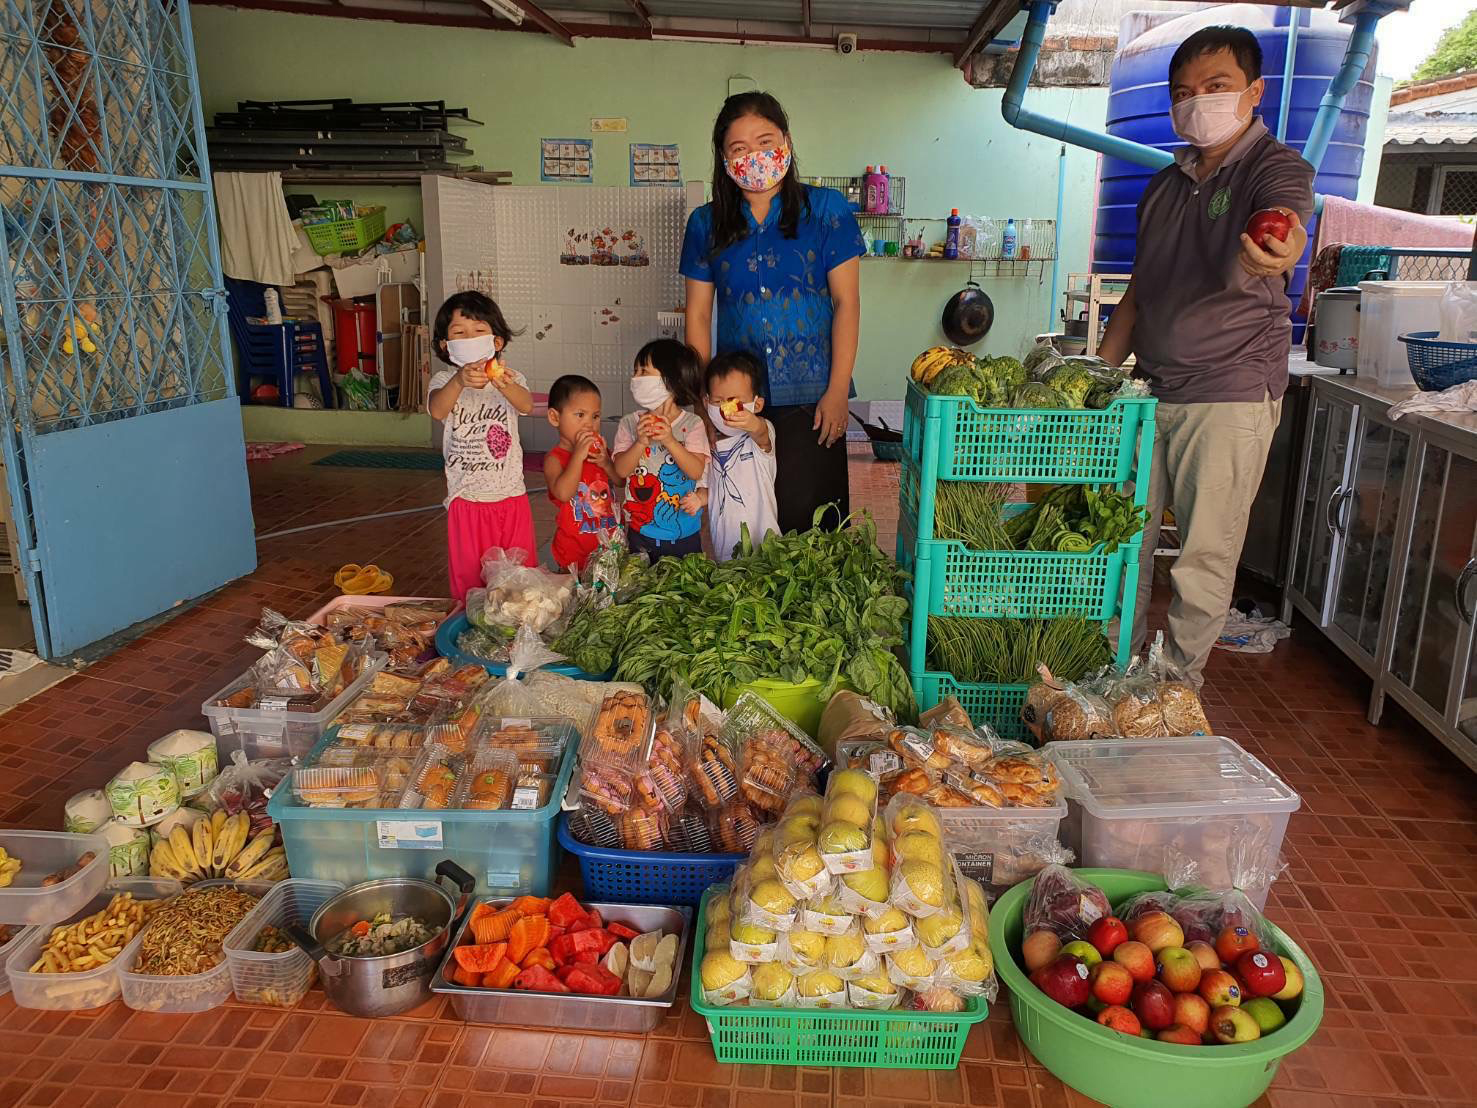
point(393, 983)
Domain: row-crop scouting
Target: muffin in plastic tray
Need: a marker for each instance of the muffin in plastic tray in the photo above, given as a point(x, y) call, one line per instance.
point(279, 979)
point(538, 743)
point(437, 779)
point(489, 781)
point(324, 785)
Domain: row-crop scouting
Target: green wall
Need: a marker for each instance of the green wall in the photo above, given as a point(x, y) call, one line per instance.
point(912, 112)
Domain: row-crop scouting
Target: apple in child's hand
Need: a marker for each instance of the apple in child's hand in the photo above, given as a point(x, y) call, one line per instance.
point(1232, 1025)
point(1137, 959)
point(1268, 223)
point(1261, 973)
point(1154, 1005)
point(1178, 969)
point(1111, 983)
point(1118, 1018)
point(1107, 934)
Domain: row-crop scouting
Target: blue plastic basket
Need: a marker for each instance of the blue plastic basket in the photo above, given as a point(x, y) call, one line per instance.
point(450, 631)
point(646, 876)
point(1439, 365)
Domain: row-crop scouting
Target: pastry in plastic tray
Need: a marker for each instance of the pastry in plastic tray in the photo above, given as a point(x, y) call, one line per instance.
point(713, 773)
point(382, 736)
point(735, 828)
point(1025, 780)
point(538, 747)
point(338, 786)
point(609, 788)
point(620, 729)
point(665, 768)
point(964, 747)
point(490, 780)
point(917, 748)
point(643, 828)
point(768, 777)
point(434, 780)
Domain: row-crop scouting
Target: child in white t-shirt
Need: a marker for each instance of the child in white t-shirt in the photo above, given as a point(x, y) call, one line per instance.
point(741, 476)
point(480, 402)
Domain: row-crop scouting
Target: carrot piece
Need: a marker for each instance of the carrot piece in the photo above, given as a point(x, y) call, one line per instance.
point(528, 934)
point(531, 905)
point(495, 928)
point(360, 929)
point(539, 957)
point(503, 977)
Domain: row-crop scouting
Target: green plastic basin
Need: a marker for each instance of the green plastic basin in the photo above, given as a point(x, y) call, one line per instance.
point(800, 704)
point(1138, 1073)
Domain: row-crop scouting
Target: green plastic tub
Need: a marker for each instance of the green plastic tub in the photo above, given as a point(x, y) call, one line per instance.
point(1137, 1073)
point(891, 1040)
point(801, 703)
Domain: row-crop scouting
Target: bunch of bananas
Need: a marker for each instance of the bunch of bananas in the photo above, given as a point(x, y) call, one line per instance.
point(935, 360)
point(10, 865)
point(217, 846)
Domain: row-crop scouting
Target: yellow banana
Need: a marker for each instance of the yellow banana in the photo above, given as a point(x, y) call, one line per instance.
point(232, 838)
point(201, 841)
point(217, 821)
point(184, 852)
point(252, 853)
point(275, 859)
point(163, 862)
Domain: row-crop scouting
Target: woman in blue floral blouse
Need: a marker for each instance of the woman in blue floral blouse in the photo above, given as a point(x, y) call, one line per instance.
point(779, 258)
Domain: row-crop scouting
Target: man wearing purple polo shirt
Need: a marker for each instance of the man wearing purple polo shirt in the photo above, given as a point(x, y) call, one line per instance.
point(1207, 316)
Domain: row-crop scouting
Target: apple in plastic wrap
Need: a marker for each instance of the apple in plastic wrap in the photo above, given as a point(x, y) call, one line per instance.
point(925, 881)
point(917, 817)
point(842, 838)
point(844, 951)
point(913, 962)
point(938, 929)
point(772, 897)
point(876, 983)
point(846, 808)
point(808, 946)
point(751, 934)
point(855, 782)
point(918, 846)
point(717, 936)
point(889, 921)
point(869, 884)
point(800, 862)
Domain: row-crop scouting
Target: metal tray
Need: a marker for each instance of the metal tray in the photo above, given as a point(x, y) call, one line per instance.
point(569, 1011)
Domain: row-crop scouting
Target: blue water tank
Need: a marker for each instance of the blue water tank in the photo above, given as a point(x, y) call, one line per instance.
point(1138, 109)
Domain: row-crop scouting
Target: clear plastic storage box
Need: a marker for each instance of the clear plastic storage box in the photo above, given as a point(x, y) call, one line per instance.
point(281, 979)
point(187, 992)
point(41, 853)
point(1141, 803)
point(13, 936)
point(71, 992)
point(1000, 847)
point(272, 733)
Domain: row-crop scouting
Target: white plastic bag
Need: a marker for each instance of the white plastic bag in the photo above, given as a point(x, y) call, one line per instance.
point(1459, 312)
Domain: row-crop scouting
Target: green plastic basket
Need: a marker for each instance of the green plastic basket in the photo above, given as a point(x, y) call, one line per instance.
point(833, 1037)
point(997, 705)
point(1078, 446)
point(1138, 1073)
point(347, 236)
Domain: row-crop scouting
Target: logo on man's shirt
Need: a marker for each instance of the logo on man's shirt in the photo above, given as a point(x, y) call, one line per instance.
point(1220, 203)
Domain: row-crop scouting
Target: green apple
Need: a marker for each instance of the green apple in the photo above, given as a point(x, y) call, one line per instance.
point(1264, 1010)
point(1083, 951)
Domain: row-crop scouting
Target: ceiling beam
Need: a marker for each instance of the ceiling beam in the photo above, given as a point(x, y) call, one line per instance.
point(542, 19)
point(638, 9)
point(805, 17)
point(986, 23)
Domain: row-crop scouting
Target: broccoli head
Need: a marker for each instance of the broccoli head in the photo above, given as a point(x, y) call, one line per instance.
point(1073, 383)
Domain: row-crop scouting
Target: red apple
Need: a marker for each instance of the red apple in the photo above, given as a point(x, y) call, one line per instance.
point(1177, 1033)
point(1294, 987)
point(1178, 969)
point(1137, 959)
point(1107, 934)
point(1111, 983)
point(1065, 981)
point(1205, 954)
point(1269, 222)
point(1232, 1025)
point(1190, 1010)
point(1261, 973)
point(1157, 930)
point(1119, 1018)
point(1233, 942)
point(1154, 1005)
point(1220, 989)
point(1083, 951)
point(1040, 949)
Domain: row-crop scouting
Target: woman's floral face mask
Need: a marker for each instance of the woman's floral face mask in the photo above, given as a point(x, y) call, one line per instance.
point(760, 169)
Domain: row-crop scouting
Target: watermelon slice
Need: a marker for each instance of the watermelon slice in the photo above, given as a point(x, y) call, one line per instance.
point(536, 979)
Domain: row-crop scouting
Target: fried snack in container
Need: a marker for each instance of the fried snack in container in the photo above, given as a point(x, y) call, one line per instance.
point(96, 940)
point(184, 936)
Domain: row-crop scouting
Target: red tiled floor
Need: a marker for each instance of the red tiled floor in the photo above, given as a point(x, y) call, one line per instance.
point(1381, 888)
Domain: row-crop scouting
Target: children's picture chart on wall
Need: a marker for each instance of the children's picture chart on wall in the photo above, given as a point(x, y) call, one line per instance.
point(567, 161)
point(654, 164)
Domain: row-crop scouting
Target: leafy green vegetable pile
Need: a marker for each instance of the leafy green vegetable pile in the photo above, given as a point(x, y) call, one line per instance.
point(822, 604)
point(1004, 382)
point(1068, 518)
point(1006, 651)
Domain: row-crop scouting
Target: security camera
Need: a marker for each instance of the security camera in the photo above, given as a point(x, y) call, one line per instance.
point(846, 44)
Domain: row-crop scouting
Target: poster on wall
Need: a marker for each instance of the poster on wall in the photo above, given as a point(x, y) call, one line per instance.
point(653, 164)
point(567, 161)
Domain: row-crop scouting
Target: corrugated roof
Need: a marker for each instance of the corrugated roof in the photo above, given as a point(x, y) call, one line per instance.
point(1431, 129)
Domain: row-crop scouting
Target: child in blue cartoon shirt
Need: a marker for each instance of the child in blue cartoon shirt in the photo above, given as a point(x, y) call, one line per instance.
point(661, 452)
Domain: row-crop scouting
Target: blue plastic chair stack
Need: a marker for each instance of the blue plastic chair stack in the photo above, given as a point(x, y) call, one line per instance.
point(275, 351)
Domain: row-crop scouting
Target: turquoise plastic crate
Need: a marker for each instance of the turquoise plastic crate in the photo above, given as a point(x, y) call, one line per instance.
point(965, 442)
point(997, 705)
point(509, 853)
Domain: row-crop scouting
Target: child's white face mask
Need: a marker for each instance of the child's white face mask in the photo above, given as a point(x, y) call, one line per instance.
point(650, 392)
point(478, 348)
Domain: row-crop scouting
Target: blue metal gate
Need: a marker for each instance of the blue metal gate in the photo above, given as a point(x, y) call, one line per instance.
point(121, 434)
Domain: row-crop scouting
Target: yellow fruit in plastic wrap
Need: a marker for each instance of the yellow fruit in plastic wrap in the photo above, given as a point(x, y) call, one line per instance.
point(829, 905)
point(925, 881)
point(977, 899)
point(856, 782)
point(912, 961)
point(918, 845)
point(751, 934)
point(846, 808)
point(869, 884)
point(917, 817)
point(938, 929)
point(772, 981)
point(842, 838)
point(981, 948)
point(770, 895)
point(800, 862)
point(718, 910)
point(719, 970)
point(810, 946)
point(880, 860)
point(890, 920)
point(793, 828)
point(807, 805)
point(968, 966)
point(844, 950)
point(717, 937)
point(762, 869)
point(876, 982)
point(942, 1000)
point(819, 983)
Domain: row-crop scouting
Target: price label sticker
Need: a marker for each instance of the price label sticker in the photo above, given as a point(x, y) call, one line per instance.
point(410, 834)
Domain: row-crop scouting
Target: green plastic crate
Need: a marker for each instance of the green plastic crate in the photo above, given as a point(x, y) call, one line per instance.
point(895, 1039)
point(997, 705)
point(1137, 1073)
point(970, 443)
point(346, 236)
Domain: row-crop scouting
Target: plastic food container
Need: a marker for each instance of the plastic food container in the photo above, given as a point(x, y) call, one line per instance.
point(25, 900)
point(1136, 1073)
point(189, 992)
point(999, 847)
point(269, 733)
point(278, 980)
point(1132, 801)
point(619, 1014)
point(1387, 310)
point(452, 629)
point(18, 935)
point(71, 992)
point(508, 852)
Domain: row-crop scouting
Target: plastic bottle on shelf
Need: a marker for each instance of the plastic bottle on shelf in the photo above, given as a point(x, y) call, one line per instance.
point(1008, 240)
point(951, 235)
point(855, 194)
point(272, 306)
point(877, 190)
